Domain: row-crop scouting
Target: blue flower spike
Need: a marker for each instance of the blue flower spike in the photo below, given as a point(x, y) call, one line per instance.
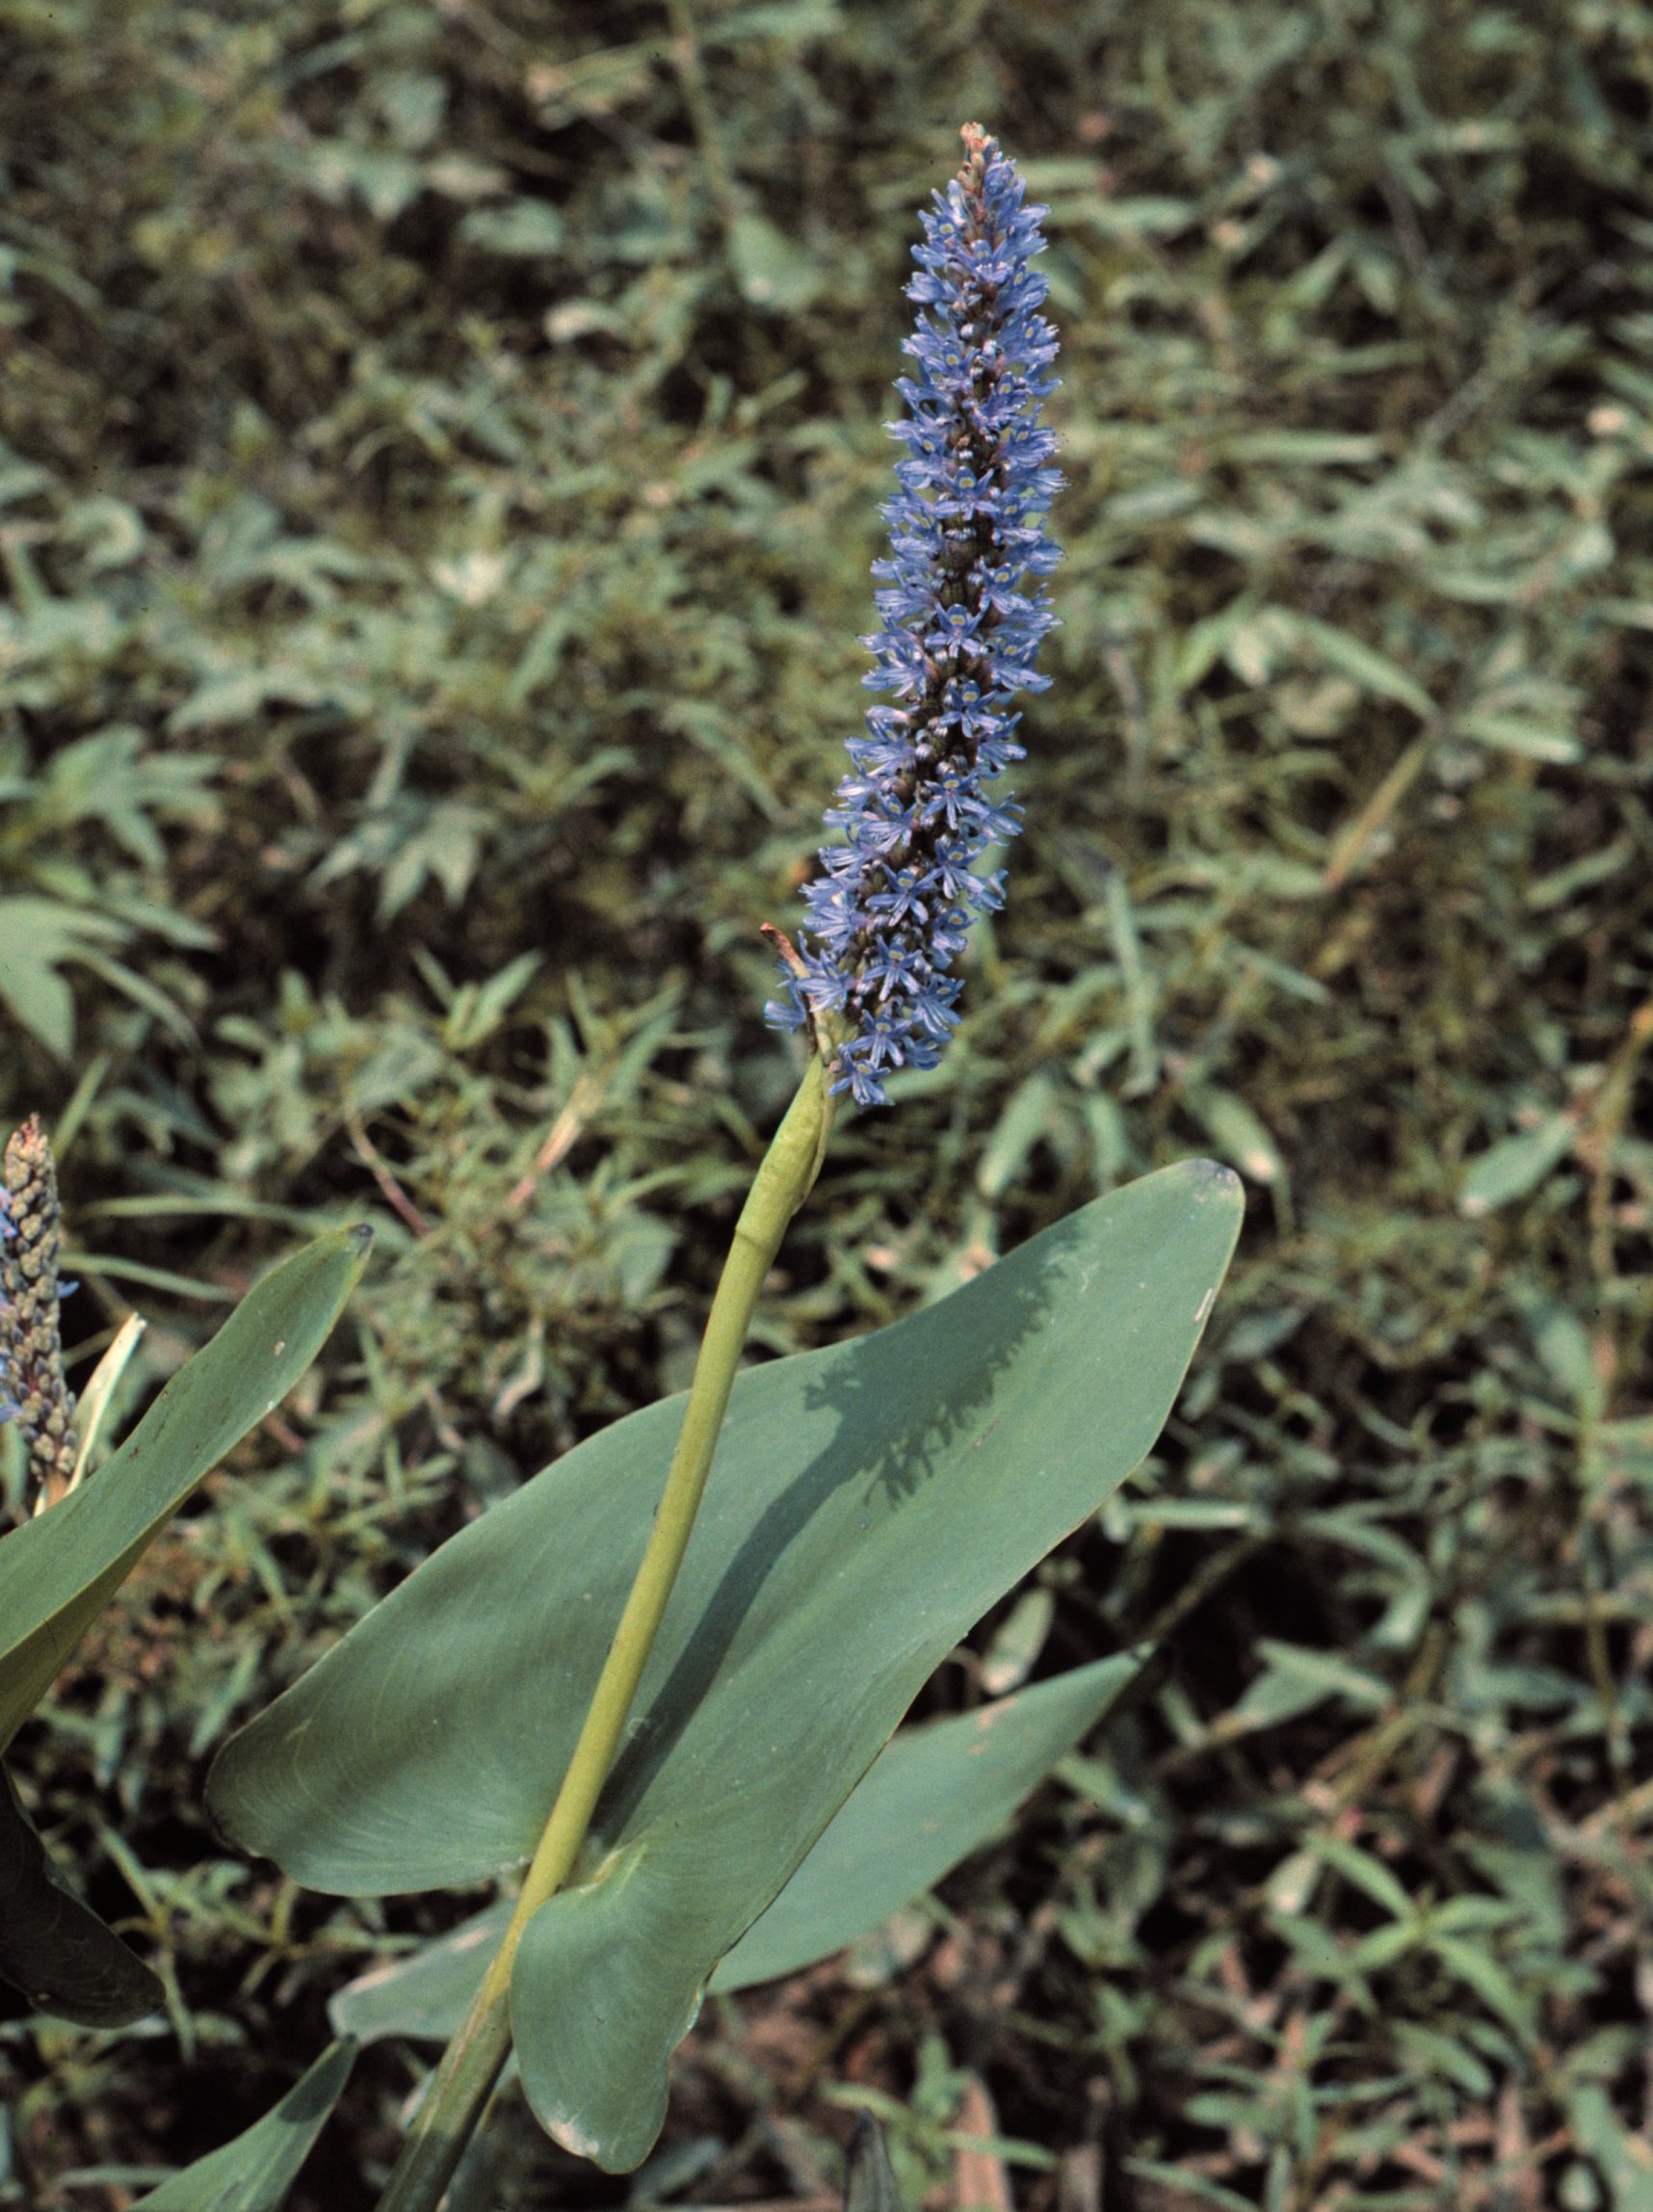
point(962, 610)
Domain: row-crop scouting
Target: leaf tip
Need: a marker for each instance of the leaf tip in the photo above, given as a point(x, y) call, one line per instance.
point(1211, 1179)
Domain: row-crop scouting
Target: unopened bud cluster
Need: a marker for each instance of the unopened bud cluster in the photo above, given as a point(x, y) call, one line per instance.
point(31, 1386)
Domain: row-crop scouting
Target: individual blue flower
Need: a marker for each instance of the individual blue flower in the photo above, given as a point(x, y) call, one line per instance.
point(962, 610)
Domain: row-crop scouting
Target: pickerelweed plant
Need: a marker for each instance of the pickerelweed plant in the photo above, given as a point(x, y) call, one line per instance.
point(656, 1710)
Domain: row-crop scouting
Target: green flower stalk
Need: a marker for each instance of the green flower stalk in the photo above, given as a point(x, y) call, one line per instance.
point(35, 1395)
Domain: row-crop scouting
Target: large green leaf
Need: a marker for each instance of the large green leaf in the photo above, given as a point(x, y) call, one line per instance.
point(61, 1956)
point(932, 1794)
point(59, 1571)
point(254, 2172)
point(930, 1798)
point(868, 1503)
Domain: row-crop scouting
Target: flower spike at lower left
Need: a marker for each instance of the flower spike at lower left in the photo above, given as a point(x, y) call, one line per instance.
point(36, 1396)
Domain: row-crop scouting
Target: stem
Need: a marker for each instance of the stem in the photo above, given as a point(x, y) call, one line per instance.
point(471, 2063)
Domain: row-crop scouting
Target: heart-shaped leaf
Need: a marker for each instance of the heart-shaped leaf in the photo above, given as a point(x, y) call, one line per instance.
point(59, 1571)
point(52, 1948)
point(930, 1798)
point(254, 2172)
point(868, 1503)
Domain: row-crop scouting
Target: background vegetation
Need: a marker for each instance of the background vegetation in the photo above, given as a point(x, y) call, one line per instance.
point(442, 457)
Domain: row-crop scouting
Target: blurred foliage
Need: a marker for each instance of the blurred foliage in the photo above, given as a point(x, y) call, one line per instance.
point(441, 457)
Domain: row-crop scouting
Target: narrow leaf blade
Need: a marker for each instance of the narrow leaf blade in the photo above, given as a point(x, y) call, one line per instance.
point(59, 1571)
point(254, 2172)
point(869, 2184)
point(52, 1947)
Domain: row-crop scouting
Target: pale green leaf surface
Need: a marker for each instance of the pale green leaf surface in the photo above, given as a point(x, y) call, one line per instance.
point(59, 1571)
point(1515, 1165)
point(254, 2172)
point(1474, 1964)
point(524, 229)
point(1012, 1654)
point(37, 936)
point(1367, 1873)
point(1374, 672)
point(1238, 1133)
point(1296, 1679)
point(1623, 2155)
point(771, 270)
point(426, 1993)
